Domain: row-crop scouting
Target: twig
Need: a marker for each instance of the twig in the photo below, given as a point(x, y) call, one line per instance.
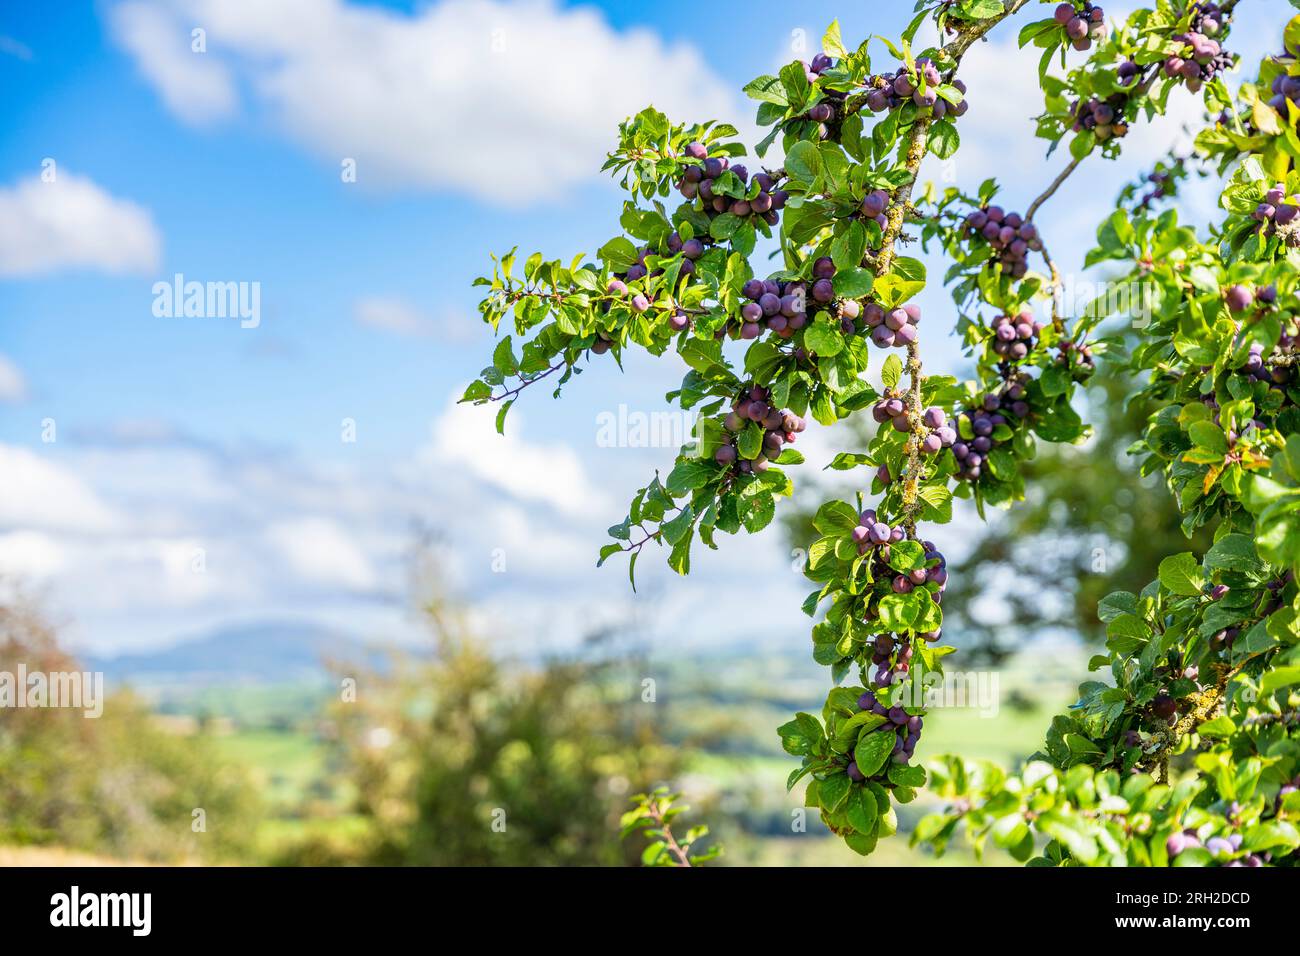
point(1051, 190)
point(525, 382)
point(656, 814)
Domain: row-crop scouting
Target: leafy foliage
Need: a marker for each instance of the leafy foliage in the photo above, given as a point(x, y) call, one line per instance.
point(652, 815)
point(1198, 660)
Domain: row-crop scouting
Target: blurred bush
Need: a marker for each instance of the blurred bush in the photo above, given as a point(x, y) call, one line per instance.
point(461, 760)
point(116, 785)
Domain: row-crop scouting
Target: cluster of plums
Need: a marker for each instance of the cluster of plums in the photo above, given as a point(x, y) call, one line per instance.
point(698, 180)
point(1011, 237)
point(1077, 359)
point(905, 727)
point(1219, 847)
point(888, 91)
point(1200, 60)
point(1285, 87)
point(892, 408)
point(780, 307)
point(874, 205)
point(691, 249)
point(780, 428)
point(1161, 186)
point(826, 112)
point(1082, 24)
point(1015, 337)
point(1277, 209)
point(982, 421)
point(1105, 118)
point(871, 533)
point(893, 327)
point(1207, 18)
point(1275, 374)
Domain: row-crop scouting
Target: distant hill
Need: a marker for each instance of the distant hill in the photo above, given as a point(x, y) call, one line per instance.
point(264, 652)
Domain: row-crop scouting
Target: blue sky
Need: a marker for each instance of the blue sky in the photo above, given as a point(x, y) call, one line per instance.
point(475, 126)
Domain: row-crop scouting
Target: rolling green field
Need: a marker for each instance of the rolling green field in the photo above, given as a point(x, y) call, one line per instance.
point(736, 771)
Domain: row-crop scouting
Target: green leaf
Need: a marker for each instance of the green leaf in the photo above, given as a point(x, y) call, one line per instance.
point(1181, 574)
point(853, 283)
point(849, 246)
point(822, 340)
point(907, 775)
point(690, 474)
point(833, 791)
point(803, 161)
point(873, 750)
point(1280, 677)
point(619, 254)
point(832, 42)
point(861, 810)
point(892, 371)
point(1233, 552)
point(1115, 604)
point(767, 89)
point(1206, 434)
point(944, 139)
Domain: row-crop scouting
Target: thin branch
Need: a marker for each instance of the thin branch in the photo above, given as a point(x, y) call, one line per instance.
point(525, 382)
point(657, 814)
point(1051, 190)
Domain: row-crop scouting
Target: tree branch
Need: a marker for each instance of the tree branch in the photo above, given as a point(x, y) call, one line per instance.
point(656, 813)
point(916, 146)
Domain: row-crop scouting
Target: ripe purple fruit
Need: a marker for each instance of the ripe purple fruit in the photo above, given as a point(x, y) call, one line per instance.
point(1239, 298)
point(875, 203)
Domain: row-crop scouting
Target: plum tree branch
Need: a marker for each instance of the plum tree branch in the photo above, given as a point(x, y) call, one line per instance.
point(525, 382)
point(917, 144)
point(1051, 189)
point(656, 814)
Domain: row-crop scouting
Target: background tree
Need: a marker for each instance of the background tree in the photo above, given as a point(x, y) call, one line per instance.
point(116, 784)
point(462, 760)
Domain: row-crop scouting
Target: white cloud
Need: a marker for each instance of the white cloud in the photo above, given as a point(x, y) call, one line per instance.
point(196, 86)
point(320, 551)
point(13, 386)
point(71, 223)
point(465, 437)
point(393, 315)
point(512, 102)
point(399, 317)
point(34, 554)
point(37, 493)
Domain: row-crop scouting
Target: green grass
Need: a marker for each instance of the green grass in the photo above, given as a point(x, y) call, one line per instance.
point(289, 766)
